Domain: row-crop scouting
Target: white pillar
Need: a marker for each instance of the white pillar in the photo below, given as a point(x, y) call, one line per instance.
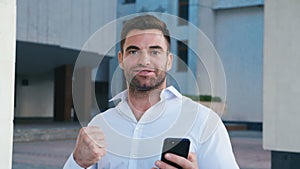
point(281, 91)
point(7, 74)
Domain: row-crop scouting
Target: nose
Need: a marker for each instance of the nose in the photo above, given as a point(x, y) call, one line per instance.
point(144, 58)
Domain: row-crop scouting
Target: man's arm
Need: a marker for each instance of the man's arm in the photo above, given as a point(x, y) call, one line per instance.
point(89, 149)
point(216, 151)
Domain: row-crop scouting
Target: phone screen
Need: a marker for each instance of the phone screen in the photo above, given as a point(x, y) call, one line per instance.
point(178, 146)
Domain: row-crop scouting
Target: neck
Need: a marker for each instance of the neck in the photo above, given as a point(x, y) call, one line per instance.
point(141, 101)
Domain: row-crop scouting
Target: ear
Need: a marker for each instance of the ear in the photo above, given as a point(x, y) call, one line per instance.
point(120, 59)
point(170, 61)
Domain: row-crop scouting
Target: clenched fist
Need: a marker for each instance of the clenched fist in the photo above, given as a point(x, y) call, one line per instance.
point(90, 146)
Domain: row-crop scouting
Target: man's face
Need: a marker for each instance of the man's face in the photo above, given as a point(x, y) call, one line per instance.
point(145, 59)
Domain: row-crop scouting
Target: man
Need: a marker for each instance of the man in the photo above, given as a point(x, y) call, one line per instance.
point(131, 134)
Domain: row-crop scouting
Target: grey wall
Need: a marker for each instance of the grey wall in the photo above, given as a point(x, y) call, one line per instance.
point(50, 34)
point(65, 23)
point(239, 41)
point(35, 99)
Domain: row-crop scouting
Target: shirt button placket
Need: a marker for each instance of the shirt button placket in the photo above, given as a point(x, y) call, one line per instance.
point(134, 147)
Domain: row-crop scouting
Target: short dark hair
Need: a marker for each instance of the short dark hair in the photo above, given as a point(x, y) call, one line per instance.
point(144, 22)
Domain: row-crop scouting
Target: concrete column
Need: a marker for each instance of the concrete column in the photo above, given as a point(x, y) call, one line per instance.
point(7, 74)
point(281, 80)
point(206, 23)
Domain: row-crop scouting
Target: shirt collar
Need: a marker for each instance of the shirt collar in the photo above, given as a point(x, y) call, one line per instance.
point(167, 93)
point(122, 95)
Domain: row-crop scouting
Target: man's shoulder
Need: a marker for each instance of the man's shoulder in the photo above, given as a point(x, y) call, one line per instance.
point(205, 119)
point(205, 115)
point(108, 112)
point(189, 103)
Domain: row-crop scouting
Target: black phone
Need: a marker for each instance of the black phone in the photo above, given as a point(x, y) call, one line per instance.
point(178, 146)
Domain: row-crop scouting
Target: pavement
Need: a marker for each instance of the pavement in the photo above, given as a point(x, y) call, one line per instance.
point(50, 151)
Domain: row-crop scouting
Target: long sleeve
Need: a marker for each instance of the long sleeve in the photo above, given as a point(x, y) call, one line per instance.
point(216, 152)
point(71, 164)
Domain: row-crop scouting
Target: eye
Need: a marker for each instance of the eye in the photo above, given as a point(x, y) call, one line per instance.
point(132, 52)
point(155, 52)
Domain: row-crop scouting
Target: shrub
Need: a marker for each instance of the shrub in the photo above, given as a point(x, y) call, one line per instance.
point(204, 98)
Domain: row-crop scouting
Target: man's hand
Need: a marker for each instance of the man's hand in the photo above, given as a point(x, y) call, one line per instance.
point(189, 163)
point(90, 146)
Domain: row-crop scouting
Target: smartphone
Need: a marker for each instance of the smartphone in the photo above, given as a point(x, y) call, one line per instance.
point(178, 146)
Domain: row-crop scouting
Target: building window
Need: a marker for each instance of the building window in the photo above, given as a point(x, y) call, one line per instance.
point(129, 1)
point(183, 12)
point(182, 53)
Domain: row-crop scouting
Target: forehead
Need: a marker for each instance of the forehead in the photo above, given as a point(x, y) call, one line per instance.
point(145, 38)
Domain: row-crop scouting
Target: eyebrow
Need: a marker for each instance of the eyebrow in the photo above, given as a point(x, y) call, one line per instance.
point(137, 48)
point(156, 47)
point(132, 47)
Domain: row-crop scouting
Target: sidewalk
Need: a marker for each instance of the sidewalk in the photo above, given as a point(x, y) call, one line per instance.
point(44, 130)
point(247, 147)
point(50, 151)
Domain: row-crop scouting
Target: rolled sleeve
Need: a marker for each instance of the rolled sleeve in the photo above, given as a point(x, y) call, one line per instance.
point(71, 164)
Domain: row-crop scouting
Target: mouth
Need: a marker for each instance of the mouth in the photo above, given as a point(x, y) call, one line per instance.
point(144, 72)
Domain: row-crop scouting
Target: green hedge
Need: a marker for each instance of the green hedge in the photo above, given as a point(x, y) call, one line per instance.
point(204, 98)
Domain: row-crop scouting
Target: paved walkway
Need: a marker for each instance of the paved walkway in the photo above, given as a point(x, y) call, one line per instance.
point(41, 155)
point(247, 146)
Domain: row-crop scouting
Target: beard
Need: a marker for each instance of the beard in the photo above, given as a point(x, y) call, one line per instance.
point(144, 84)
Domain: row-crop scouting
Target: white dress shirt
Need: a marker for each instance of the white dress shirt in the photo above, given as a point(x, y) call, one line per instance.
point(136, 144)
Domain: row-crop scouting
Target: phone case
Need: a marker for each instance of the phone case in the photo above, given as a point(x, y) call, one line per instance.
point(178, 146)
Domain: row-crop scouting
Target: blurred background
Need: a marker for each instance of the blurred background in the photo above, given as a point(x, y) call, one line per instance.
point(256, 42)
point(51, 34)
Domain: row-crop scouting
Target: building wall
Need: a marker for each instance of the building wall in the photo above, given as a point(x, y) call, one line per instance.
point(65, 23)
point(36, 98)
point(56, 32)
point(236, 29)
point(239, 41)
